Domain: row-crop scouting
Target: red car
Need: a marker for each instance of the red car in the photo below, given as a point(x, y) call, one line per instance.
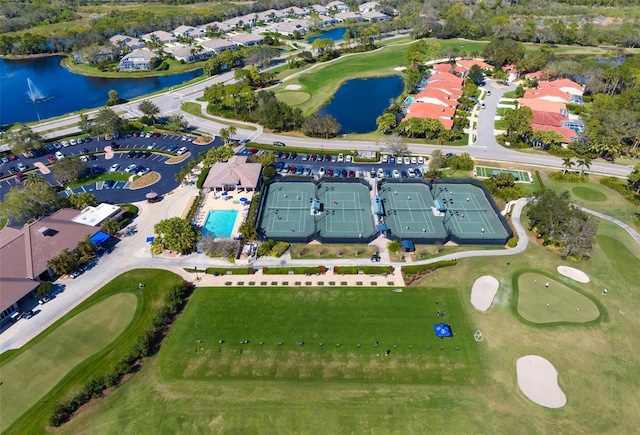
point(12, 157)
point(20, 176)
point(51, 159)
point(292, 169)
point(155, 135)
point(352, 174)
point(329, 172)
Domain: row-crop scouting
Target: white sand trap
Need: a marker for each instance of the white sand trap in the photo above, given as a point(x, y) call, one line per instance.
point(538, 380)
point(483, 292)
point(574, 274)
point(293, 87)
point(400, 68)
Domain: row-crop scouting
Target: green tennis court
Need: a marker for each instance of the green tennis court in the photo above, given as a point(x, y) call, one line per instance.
point(328, 211)
point(487, 172)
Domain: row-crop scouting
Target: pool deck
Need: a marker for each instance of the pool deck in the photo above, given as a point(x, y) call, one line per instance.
point(218, 202)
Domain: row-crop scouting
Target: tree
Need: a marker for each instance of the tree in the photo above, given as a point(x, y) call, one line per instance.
point(386, 122)
point(22, 138)
point(114, 98)
point(584, 163)
point(219, 154)
point(226, 133)
point(33, 178)
point(68, 169)
point(321, 126)
point(82, 200)
point(22, 204)
point(85, 124)
point(106, 122)
point(150, 109)
point(177, 123)
point(43, 288)
point(502, 52)
point(110, 226)
point(267, 159)
point(65, 262)
point(176, 235)
point(567, 164)
point(475, 74)
point(517, 124)
point(415, 53)
point(85, 249)
point(322, 46)
point(634, 179)
point(437, 162)
point(396, 145)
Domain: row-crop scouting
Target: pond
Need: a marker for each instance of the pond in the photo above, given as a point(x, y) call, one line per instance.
point(359, 102)
point(337, 33)
point(41, 88)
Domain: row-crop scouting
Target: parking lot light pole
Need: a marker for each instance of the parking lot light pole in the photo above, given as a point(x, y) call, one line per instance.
point(197, 276)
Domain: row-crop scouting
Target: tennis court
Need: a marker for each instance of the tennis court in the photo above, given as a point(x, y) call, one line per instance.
point(287, 212)
point(329, 211)
point(520, 176)
point(346, 211)
point(409, 212)
point(468, 215)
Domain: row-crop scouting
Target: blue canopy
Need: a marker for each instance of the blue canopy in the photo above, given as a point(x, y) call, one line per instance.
point(99, 238)
point(442, 330)
point(407, 246)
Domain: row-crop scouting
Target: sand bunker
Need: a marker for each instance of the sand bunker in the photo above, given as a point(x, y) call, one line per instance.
point(483, 292)
point(400, 68)
point(538, 380)
point(574, 274)
point(293, 87)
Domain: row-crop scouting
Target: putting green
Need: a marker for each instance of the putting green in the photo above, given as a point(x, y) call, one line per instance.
point(564, 303)
point(27, 378)
point(589, 194)
point(293, 98)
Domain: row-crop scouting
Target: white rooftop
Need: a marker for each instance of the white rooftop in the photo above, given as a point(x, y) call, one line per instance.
point(94, 216)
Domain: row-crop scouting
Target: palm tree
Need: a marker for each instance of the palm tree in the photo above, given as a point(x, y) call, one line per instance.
point(224, 134)
point(584, 163)
point(149, 109)
point(567, 164)
point(33, 179)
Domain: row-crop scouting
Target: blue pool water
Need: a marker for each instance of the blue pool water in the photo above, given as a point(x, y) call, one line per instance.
point(219, 223)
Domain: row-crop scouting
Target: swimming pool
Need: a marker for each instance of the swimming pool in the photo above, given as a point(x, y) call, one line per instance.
point(219, 223)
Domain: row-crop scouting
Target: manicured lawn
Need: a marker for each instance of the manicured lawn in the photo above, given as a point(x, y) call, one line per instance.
point(33, 373)
point(589, 194)
point(312, 316)
point(565, 304)
point(196, 109)
point(597, 364)
point(84, 343)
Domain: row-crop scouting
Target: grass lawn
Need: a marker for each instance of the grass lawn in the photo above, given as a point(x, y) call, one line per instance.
point(196, 110)
point(84, 343)
point(588, 194)
point(32, 374)
point(562, 300)
point(304, 251)
point(297, 315)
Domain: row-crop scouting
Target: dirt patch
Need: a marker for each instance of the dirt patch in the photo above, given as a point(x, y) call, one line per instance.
point(178, 159)
point(145, 181)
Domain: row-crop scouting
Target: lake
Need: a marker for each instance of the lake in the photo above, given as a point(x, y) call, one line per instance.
point(337, 33)
point(63, 91)
point(359, 102)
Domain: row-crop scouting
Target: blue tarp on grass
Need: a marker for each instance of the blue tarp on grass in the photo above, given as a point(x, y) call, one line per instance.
point(442, 330)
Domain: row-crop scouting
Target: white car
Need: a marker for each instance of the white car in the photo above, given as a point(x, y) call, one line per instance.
point(143, 171)
point(340, 158)
point(132, 167)
point(22, 167)
point(406, 161)
point(114, 167)
point(181, 151)
point(79, 141)
point(152, 146)
point(59, 155)
point(380, 173)
point(411, 172)
point(421, 160)
point(148, 134)
point(385, 158)
point(65, 143)
point(414, 160)
point(348, 158)
point(396, 173)
point(321, 172)
point(73, 142)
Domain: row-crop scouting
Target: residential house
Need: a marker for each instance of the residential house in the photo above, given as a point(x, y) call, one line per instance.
point(319, 9)
point(137, 60)
point(443, 114)
point(160, 36)
point(448, 68)
point(246, 39)
point(188, 32)
point(268, 16)
point(289, 27)
point(547, 93)
point(190, 53)
point(436, 96)
point(468, 63)
point(127, 41)
point(368, 6)
point(338, 6)
point(345, 16)
point(218, 45)
point(568, 135)
point(295, 12)
point(536, 104)
point(235, 174)
point(374, 16)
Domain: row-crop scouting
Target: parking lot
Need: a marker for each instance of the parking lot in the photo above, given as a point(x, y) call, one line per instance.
point(145, 156)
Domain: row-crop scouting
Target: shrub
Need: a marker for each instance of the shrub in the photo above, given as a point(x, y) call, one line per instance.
point(561, 152)
point(569, 177)
point(394, 246)
point(512, 242)
point(202, 177)
point(540, 182)
point(622, 188)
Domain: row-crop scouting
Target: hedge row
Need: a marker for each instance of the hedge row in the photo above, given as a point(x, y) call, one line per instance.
point(369, 270)
point(622, 188)
point(146, 344)
point(296, 270)
point(226, 270)
point(540, 182)
point(412, 273)
point(202, 177)
point(569, 177)
point(272, 248)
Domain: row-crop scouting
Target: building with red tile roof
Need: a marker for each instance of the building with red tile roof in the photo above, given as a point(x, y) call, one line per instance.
point(437, 96)
point(453, 79)
point(567, 86)
point(444, 114)
point(548, 118)
point(447, 67)
point(468, 63)
point(547, 93)
point(568, 134)
point(540, 105)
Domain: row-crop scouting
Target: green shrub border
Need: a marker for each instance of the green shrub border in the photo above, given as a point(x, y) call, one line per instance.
point(202, 177)
point(368, 270)
point(409, 272)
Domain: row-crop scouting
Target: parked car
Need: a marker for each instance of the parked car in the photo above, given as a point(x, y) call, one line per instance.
point(411, 172)
point(406, 161)
point(171, 148)
point(52, 159)
point(59, 155)
point(181, 151)
point(44, 299)
point(22, 167)
point(152, 146)
point(348, 158)
point(108, 184)
point(84, 151)
point(396, 173)
point(321, 171)
point(380, 174)
point(420, 160)
point(385, 158)
point(143, 171)
point(20, 177)
point(414, 160)
point(114, 167)
point(130, 168)
point(65, 143)
point(340, 158)
point(278, 144)
point(352, 174)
